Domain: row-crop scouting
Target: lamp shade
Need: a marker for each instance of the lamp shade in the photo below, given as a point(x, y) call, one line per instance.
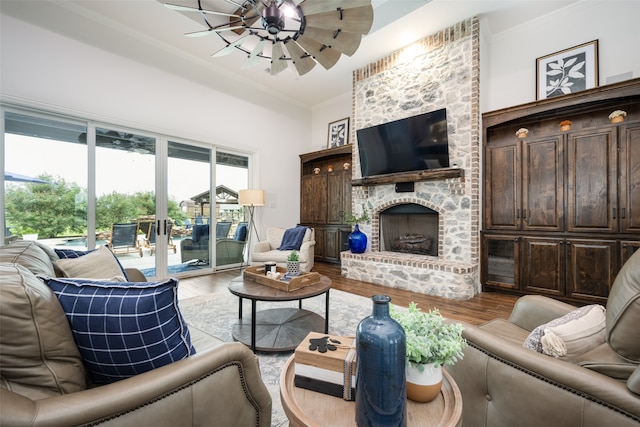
point(251, 198)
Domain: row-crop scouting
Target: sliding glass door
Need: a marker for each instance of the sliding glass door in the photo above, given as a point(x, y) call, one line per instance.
point(232, 175)
point(45, 179)
point(79, 185)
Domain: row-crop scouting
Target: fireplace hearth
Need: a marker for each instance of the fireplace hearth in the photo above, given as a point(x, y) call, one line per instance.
point(409, 228)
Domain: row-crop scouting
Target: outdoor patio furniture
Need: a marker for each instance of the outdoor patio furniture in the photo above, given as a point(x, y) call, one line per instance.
point(222, 229)
point(124, 238)
point(151, 238)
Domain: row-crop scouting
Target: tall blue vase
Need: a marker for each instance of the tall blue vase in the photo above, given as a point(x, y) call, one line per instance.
point(381, 387)
point(357, 241)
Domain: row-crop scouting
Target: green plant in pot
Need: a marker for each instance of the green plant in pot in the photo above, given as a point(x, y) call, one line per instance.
point(431, 343)
point(293, 263)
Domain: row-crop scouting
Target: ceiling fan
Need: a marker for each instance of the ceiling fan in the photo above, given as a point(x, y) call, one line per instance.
point(303, 33)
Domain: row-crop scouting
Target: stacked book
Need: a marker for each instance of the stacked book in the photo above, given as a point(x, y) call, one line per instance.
point(326, 364)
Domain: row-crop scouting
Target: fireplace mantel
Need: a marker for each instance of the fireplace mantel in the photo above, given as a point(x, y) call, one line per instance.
point(423, 175)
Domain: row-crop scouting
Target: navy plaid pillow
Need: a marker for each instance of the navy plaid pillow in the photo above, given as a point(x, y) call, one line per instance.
point(70, 253)
point(123, 329)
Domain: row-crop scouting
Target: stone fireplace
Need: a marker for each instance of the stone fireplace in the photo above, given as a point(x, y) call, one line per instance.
point(425, 240)
point(408, 228)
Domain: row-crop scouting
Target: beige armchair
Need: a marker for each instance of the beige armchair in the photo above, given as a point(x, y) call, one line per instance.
point(267, 250)
point(506, 384)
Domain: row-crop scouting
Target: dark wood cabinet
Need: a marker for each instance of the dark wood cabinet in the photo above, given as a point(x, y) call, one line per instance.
point(592, 180)
point(543, 265)
point(562, 206)
point(325, 199)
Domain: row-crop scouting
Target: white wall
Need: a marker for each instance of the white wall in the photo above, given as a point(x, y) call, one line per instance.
point(49, 71)
point(510, 73)
point(335, 109)
point(508, 59)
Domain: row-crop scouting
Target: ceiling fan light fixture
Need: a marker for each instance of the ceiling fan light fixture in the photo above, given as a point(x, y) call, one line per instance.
point(312, 31)
point(273, 18)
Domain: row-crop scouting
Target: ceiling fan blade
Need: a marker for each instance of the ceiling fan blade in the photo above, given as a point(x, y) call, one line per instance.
point(211, 31)
point(311, 7)
point(357, 20)
point(254, 59)
point(195, 9)
point(326, 56)
point(277, 63)
point(230, 47)
point(249, 21)
point(303, 62)
point(342, 41)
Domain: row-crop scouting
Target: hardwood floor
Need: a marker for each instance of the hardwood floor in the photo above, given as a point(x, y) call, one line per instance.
point(482, 308)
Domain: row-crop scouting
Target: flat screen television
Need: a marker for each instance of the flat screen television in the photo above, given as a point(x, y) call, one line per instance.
point(412, 144)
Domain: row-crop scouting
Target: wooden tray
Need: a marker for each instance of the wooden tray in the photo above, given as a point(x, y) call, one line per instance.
point(256, 274)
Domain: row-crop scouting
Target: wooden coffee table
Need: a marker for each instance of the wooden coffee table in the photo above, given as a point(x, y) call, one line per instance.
point(277, 329)
point(309, 408)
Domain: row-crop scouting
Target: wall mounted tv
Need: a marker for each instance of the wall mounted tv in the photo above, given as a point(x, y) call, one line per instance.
point(412, 144)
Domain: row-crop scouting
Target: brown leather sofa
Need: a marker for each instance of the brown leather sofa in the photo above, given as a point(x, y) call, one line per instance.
point(506, 384)
point(220, 385)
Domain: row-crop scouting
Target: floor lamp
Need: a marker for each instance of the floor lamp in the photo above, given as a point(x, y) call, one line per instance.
point(250, 199)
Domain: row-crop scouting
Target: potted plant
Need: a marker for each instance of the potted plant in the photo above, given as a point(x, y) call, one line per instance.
point(293, 263)
point(431, 343)
point(357, 239)
point(28, 233)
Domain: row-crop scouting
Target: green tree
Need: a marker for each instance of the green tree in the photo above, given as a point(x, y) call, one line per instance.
point(114, 208)
point(49, 209)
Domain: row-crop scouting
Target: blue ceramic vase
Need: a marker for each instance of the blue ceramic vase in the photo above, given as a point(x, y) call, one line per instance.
point(357, 241)
point(381, 388)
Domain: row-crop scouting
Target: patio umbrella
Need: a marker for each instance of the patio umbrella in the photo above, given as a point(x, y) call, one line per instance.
point(10, 176)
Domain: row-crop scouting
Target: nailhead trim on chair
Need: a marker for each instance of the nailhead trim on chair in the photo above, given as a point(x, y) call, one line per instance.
point(555, 383)
point(238, 365)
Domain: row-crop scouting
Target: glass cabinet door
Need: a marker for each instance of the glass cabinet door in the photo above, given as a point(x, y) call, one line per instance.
point(500, 261)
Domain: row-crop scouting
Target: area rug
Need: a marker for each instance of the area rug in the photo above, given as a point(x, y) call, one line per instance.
point(217, 312)
point(172, 269)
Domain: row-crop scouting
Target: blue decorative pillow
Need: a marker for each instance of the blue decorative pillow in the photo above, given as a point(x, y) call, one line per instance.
point(123, 329)
point(70, 253)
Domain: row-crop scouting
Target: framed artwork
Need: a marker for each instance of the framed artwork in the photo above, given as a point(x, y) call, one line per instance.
point(568, 71)
point(338, 133)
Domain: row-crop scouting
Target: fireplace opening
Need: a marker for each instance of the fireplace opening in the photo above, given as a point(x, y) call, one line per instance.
point(409, 228)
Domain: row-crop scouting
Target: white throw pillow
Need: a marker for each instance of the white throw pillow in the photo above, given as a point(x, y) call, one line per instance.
point(98, 264)
point(570, 335)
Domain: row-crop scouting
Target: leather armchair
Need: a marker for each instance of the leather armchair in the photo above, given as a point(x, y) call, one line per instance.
point(267, 250)
point(43, 381)
point(506, 384)
point(220, 387)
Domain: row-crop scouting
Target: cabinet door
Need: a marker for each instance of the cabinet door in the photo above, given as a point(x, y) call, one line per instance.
point(592, 269)
point(543, 184)
point(306, 197)
point(332, 245)
point(629, 185)
point(543, 269)
point(502, 188)
point(338, 196)
point(592, 181)
point(318, 249)
point(319, 199)
point(500, 262)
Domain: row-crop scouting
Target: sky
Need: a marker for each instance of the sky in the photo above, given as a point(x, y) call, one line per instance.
point(116, 170)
